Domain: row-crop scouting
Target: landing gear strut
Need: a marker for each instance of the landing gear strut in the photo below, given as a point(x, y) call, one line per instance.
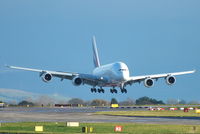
point(122, 87)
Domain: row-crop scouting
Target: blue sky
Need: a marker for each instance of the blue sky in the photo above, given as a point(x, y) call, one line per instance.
point(154, 36)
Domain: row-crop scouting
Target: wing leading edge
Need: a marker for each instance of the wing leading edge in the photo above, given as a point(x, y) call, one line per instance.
point(135, 79)
point(66, 75)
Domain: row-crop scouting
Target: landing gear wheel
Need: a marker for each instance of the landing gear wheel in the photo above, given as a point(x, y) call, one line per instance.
point(111, 90)
point(93, 90)
point(99, 90)
point(123, 90)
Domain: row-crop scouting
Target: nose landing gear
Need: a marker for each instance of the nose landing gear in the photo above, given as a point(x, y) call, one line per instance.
point(123, 90)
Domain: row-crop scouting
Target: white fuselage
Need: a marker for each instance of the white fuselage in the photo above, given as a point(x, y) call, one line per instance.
point(114, 73)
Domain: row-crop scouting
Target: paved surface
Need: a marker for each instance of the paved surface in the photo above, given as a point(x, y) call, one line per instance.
point(81, 115)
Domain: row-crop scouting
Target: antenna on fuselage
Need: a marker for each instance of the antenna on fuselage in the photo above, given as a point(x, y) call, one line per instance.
point(95, 53)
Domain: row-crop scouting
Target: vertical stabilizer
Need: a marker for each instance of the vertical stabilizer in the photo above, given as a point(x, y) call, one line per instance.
point(95, 53)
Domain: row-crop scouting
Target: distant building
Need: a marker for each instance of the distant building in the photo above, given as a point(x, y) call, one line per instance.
point(2, 105)
point(68, 105)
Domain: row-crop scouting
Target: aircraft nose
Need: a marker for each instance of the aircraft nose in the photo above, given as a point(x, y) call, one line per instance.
point(125, 76)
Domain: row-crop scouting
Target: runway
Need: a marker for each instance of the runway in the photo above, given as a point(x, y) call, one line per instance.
point(82, 114)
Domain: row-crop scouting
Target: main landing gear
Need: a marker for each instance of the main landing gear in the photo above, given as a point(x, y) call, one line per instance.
point(99, 90)
point(112, 90)
point(115, 91)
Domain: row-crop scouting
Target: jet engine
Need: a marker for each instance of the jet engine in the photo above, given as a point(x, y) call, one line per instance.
point(148, 82)
point(77, 81)
point(46, 77)
point(170, 80)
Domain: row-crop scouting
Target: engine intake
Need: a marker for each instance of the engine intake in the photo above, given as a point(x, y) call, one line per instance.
point(46, 77)
point(170, 80)
point(148, 82)
point(77, 81)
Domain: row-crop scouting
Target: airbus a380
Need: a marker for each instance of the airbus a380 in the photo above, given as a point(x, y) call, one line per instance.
point(111, 75)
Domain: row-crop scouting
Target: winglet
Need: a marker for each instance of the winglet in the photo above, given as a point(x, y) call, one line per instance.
point(95, 53)
point(194, 70)
point(8, 66)
point(5, 65)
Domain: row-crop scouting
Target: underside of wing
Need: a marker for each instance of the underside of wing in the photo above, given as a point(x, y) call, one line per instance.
point(93, 80)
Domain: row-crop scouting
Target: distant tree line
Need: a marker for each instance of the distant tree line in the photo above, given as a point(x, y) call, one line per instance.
point(148, 101)
point(26, 103)
point(100, 102)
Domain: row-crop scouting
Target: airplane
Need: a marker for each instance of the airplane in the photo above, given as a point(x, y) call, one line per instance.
point(111, 75)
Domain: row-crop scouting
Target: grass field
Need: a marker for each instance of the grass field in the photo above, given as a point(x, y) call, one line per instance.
point(176, 113)
point(130, 128)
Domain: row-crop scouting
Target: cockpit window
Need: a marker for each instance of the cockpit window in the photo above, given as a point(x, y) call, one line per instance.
point(122, 70)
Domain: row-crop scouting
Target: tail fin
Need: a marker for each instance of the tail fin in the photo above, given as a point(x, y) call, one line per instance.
point(95, 53)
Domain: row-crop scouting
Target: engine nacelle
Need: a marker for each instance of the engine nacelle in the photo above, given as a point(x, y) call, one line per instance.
point(46, 77)
point(170, 80)
point(148, 82)
point(77, 81)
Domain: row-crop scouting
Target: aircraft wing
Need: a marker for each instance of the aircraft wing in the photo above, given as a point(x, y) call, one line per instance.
point(63, 75)
point(135, 79)
point(87, 78)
